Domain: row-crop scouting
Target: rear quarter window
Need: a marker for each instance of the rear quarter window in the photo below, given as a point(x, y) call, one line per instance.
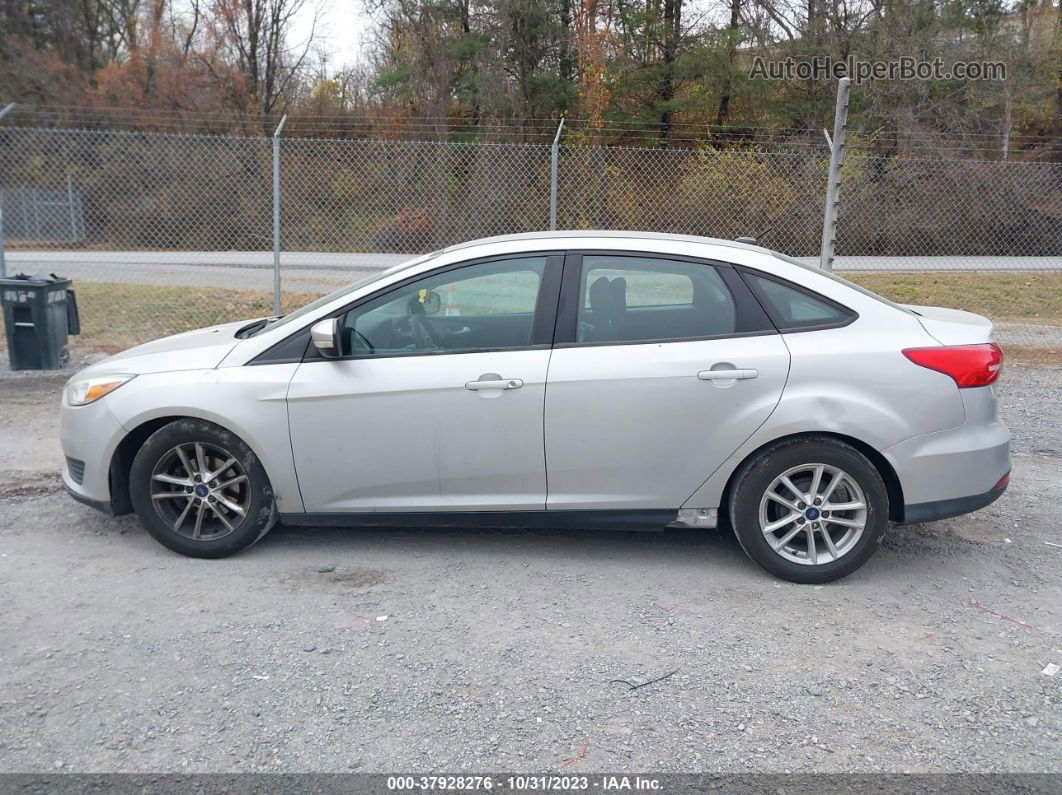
point(793, 308)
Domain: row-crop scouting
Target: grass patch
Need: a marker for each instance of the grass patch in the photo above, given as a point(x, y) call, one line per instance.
point(115, 317)
point(1024, 297)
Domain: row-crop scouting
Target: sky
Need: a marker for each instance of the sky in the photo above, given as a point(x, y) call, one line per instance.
point(342, 30)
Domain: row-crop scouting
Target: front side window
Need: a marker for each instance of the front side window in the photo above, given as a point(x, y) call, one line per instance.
point(637, 299)
point(345, 290)
point(486, 306)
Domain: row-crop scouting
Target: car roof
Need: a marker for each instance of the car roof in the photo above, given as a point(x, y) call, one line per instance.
point(568, 234)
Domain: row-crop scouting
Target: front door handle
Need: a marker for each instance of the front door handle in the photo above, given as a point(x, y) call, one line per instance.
point(727, 375)
point(494, 383)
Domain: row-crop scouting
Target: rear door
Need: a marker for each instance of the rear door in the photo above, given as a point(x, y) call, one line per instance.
point(662, 367)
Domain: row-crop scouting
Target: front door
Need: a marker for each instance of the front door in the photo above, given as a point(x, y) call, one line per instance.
point(668, 367)
point(436, 401)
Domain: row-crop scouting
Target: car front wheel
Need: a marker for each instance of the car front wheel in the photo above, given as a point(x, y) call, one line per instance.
point(809, 510)
point(200, 490)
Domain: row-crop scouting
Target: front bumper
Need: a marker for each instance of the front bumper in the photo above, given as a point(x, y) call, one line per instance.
point(90, 434)
point(106, 506)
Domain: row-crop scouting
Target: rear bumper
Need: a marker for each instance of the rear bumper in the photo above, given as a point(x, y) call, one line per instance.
point(956, 467)
point(945, 509)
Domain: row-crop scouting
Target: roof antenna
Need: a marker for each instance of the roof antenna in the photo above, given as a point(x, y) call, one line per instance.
point(754, 241)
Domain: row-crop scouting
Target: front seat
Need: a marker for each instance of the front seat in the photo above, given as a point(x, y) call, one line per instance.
point(608, 305)
point(618, 325)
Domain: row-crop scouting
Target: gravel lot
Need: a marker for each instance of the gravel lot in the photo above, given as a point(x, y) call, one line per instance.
point(339, 650)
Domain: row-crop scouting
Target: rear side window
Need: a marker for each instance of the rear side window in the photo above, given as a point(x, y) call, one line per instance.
point(635, 299)
point(646, 285)
point(794, 309)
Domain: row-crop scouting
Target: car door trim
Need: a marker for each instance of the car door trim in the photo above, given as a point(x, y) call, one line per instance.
point(590, 519)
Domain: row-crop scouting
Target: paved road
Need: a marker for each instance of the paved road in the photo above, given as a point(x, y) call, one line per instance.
point(311, 271)
point(248, 270)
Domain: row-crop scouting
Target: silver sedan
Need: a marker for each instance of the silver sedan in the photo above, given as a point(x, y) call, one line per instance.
point(570, 379)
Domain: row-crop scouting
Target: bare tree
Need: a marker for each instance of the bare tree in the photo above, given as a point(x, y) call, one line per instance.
point(254, 34)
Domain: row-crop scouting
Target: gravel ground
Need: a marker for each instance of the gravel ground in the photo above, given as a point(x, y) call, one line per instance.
point(383, 650)
point(1039, 335)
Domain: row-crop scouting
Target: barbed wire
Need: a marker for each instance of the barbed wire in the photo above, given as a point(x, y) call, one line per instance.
point(339, 120)
point(680, 134)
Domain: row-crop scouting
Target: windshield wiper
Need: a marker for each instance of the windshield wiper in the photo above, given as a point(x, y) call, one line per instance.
point(253, 328)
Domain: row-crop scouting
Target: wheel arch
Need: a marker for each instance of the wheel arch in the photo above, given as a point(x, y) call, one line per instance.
point(122, 458)
point(880, 463)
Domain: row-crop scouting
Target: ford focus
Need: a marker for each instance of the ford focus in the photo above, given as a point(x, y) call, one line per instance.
point(569, 379)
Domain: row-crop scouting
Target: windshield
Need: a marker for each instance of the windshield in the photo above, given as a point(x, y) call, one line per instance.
point(345, 290)
point(845, 282)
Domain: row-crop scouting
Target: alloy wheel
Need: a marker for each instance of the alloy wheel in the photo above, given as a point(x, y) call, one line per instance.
point(200, 490)
point(813, 514)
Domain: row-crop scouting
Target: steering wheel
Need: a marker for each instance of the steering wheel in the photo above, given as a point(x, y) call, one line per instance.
point(423, 333)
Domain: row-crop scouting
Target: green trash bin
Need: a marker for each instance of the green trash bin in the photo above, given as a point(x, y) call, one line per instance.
point(39, 313)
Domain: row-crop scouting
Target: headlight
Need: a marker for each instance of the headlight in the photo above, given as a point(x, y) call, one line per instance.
point(81, 391)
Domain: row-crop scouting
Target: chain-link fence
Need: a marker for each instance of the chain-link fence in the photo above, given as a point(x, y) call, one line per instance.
point(165, 232)
point(46, 216)
point(776, 197)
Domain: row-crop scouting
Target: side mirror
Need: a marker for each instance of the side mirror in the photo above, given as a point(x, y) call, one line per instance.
point(325, 336)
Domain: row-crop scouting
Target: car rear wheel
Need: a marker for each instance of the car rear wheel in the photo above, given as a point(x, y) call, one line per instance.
point(200, 490)
point(809, 510)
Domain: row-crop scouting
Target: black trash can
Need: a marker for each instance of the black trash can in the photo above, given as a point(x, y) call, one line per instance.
point(39, 313)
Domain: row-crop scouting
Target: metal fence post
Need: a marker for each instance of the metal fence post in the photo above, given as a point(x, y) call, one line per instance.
point(833, 181)
point(70, 206)
point(554, 157)
point(36, 213)
point(3, 260)
point(3, 243)
point(276, 215)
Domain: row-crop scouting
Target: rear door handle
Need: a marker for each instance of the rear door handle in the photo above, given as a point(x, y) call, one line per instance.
point(501, 383)
point(727, 375)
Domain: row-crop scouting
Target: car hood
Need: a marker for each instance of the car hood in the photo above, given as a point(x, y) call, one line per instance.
point(953, 326)
point(200, 349)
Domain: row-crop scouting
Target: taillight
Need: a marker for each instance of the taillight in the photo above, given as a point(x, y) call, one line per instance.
point(968, 365)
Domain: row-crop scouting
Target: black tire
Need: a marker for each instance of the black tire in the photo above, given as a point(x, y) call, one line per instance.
point(757, 475)
point(254, 495)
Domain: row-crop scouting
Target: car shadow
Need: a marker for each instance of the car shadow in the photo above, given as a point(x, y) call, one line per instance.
point(660, 546)
point(911, 552)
